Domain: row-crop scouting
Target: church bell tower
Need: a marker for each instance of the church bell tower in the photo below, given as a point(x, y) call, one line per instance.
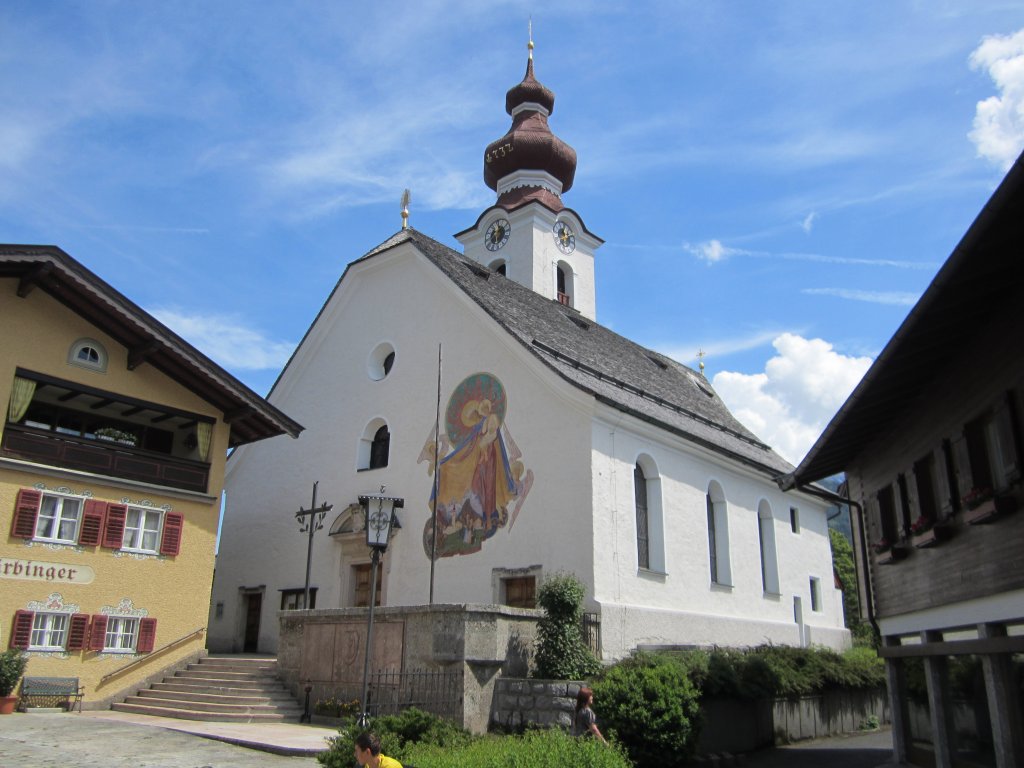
point(528, 234)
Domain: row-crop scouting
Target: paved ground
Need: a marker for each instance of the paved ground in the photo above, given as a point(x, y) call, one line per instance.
point(97, 740)
point(120, 740)
point(859, 750)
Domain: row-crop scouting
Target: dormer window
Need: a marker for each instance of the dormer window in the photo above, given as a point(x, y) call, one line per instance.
point(88, 353)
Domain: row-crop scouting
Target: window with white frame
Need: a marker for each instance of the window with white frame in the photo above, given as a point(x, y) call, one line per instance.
point(122, 634)
point(88, 353)
point(58, 519)
point(815, 593)
point(49, 632)
point(718, 536)
point(142, 529)
point(650, 524)
point(769, 553)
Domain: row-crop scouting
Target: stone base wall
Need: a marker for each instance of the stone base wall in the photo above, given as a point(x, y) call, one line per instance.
point(478, 643)
point(519, 702)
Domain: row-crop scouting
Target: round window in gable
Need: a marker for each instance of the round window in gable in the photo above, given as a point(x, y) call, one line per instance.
point(88, 353)
point(381, 361)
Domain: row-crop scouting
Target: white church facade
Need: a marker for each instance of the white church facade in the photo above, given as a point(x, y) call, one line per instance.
point(562, 446)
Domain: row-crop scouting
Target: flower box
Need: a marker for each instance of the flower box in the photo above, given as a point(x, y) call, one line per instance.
point(989, 510)
point(931, 537)
point(891, 555)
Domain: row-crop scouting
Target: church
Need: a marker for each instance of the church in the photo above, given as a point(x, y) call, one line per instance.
point(523, 438)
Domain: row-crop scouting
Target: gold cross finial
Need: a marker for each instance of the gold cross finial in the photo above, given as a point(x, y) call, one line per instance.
point(700, 358)
point(530, 44)
point(405, 209)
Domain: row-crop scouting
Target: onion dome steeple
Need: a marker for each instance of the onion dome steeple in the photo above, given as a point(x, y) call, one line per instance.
point(529, 162)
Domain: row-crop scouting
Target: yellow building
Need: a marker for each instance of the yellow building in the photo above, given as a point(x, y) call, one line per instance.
point(111, 468)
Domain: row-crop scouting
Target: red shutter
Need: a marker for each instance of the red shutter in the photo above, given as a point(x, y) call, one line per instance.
point(78, 631)
point(113, 527)
point(26, 509)
point(147, 636)
point(98, 635)
point(170, 541)
point(21, 629)
point(92, 523)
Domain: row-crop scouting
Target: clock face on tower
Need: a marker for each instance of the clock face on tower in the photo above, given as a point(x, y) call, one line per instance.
point(497, 234)
point(564, 237)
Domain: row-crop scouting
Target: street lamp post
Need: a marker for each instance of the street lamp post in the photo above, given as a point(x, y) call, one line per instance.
point(379, 514)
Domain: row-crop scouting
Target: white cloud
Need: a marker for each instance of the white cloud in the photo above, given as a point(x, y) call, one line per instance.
point(686, 352)
point(808, 223)
point(712, 251)
point(792, 401)
point(889, 298)
point(227, 340)
point(998, 129)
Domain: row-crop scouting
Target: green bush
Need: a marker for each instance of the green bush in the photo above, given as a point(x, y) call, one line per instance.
point(650, 705)
point(561, 652)
point(550, 748)
point(397, 734)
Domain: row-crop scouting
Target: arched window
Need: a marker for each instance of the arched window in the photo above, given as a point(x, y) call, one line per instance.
point(499, 266)
point(563, 278)
point(650, 525)
point(769, 555)
point(643, 555)
point(718, 536)
point(88, 353)
point(374, 446)
point(379, 448)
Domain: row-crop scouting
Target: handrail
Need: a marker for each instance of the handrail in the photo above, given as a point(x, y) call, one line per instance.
point(149, 656)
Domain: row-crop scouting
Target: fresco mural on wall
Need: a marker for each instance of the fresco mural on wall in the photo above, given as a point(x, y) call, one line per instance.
point(482, 481)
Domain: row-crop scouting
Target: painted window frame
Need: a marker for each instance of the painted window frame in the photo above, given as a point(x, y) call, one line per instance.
point(121, 634)
point(58, 518)
point(134, 537)
point(45, 630)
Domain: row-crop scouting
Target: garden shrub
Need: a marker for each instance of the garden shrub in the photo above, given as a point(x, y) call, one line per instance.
point(397, 734)
point(561, 652)
point(650, 705)
point(549, 748)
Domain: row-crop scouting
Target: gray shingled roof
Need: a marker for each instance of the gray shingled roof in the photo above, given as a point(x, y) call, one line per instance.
point(615, 370)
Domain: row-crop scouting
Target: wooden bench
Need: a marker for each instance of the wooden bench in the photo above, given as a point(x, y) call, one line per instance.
point(51, 692)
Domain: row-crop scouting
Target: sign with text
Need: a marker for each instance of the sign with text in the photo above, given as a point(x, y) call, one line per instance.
point(40, 570)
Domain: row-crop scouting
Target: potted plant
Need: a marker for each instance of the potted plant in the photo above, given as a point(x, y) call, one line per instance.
point(12, 667)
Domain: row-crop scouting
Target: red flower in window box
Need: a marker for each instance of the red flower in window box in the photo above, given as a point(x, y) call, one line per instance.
point(882, 545)
point(922, 524)
point(977, 496)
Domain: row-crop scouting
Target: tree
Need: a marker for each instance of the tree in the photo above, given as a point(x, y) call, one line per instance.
point(561, 652)
point(842, 560)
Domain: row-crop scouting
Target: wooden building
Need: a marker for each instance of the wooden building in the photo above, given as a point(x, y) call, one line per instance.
point(931, 444)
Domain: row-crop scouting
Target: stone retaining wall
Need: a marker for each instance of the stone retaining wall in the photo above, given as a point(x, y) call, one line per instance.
point(520, 701)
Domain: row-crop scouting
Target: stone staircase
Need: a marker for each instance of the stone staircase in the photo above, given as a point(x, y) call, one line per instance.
point(221, 689)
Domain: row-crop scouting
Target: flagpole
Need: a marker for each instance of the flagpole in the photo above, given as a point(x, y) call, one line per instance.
point(437, 484)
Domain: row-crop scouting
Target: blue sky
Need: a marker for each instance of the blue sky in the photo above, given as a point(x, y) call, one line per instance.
point(777, 183)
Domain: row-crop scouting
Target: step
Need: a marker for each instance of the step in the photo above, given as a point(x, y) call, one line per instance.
point(204, 670)
point(217, 698)
point(177, 686)
point(212, 717)
point(267, 667)
point(220, 680)
point(225, 708)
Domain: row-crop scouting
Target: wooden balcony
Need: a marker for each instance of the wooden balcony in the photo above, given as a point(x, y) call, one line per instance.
point(104, 458)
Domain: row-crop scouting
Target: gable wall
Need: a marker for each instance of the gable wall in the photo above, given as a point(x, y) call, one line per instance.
point(400, 298)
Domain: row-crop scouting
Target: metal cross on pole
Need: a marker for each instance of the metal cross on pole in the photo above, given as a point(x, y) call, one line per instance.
point(310, 521)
